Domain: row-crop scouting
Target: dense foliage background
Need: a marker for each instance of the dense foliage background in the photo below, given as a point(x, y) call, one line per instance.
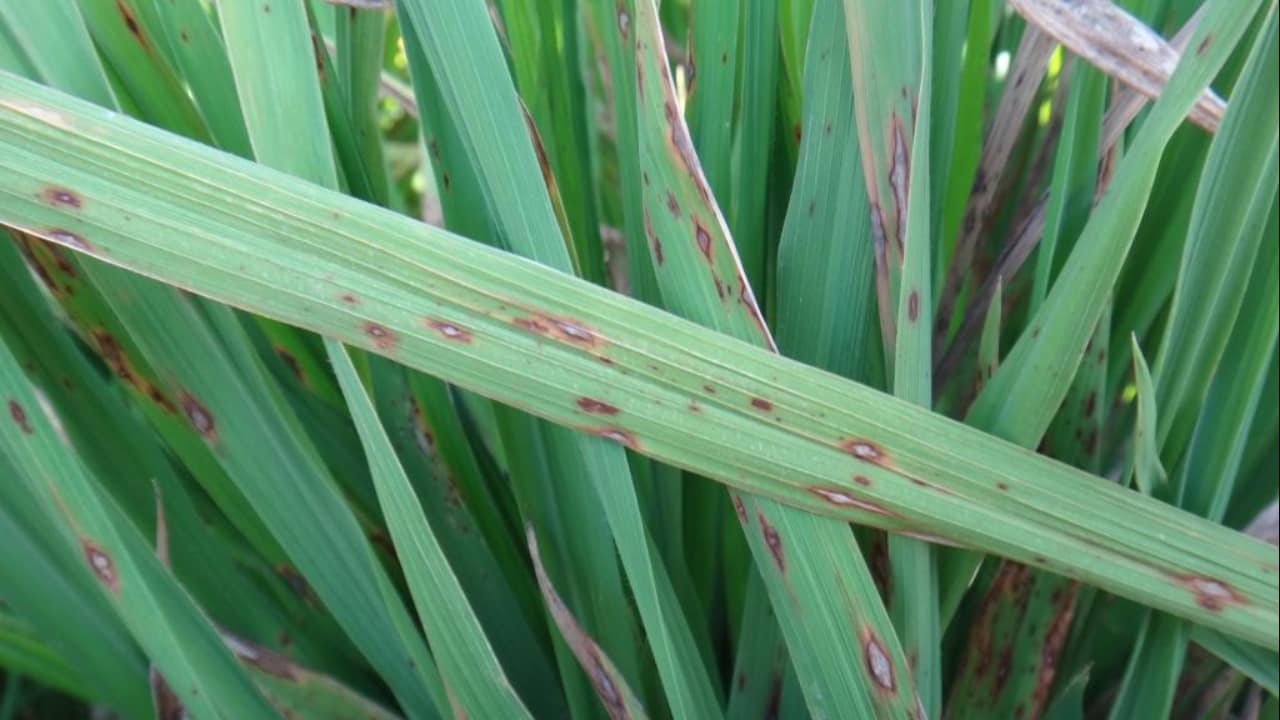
point(427, 403)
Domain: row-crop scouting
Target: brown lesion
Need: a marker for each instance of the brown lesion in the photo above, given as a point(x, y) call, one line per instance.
point(118, 361)
point(19, 416)
point(1211, 594)
point(62, 197)
point(876, 661)
point(100, 564)
point(773, 542)
point(292, 363)
point(563, 329)
point(618, 435)
point(866, 451)
point(199, 417)
point(844, 498)
point(382, 336)
point(450, 331)
point(592, 405)
point(131, 24)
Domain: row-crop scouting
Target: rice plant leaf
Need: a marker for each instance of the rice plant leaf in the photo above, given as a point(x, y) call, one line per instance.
point(45, 589)
point(201, 59)
point(713, 59)
point(1069, 704)
point(1025, 73)
point(886, 80)
point(757, 106)
point(1148, 472)
point(296, 265)
point(75, 68)
point(1235, 195)
point(617, 697)
point(1027, 389)
point(470, 670)
point(826, 262)
point(125, 35)
point(1120, 45)
point(162, 617)
point(294, 689)
point(681, 670)
point(1261, 666)
point(237, 592)
point(914, 600)
point(24, 651)
point(811, 567)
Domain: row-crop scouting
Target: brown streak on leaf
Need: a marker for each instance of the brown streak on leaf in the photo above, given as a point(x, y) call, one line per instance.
point(199, 417)
point(19, 417)
point(100, 564)
point(595, 406)
point(866, 450)
point(63, 197)
point(877, 661)
point(773, 542)
point(382, 338)
point(450, 331)
point(622, 437)
point(844, 499)
point(131, 23)
point(292, 362)
point(1211, 594)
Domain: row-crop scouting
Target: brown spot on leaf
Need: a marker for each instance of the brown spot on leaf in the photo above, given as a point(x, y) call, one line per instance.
point(761, 404)
point(739, 509)
point(165, 700)
point(709, 389)
point(865, 450)
point(877, 661)
point(1211, 594)
point(773, 542)
point(1089, 401)
point(296, 583)
point(672, 205)
point(622, 437)
point(292, 362)
point(19, 417)
point(899, 177)
point(604, 686)
point(862, 480)
point(199, 417)
point(450, 331)
point(703, 239)
point(654, 243)
point(382, 338)
point(595, 406)
point(913, 306)
point(1002, 486)
point(62, 196)
point(100, 564)
point(624, 20)
point(268, 661)
point(349, 299)
point(795, 133)
point(68, 238)
point(842, 498)
point(1204, 44)
point(131, 23)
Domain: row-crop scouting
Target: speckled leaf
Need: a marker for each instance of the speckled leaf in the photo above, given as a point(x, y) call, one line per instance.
point(162, 617)
point(537, 338)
